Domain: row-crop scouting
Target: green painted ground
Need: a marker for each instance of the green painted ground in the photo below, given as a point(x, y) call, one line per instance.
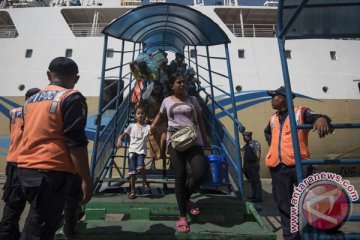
point(153, 216)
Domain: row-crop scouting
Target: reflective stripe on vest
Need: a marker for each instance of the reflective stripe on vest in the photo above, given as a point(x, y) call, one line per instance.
point(55, 101)
point(284, 142)
point(16, 122)
point(13, 116)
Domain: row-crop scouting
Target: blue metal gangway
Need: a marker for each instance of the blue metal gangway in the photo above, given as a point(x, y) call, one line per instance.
point(172, 28)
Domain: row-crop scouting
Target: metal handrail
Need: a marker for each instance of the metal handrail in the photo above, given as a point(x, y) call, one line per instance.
point(252, 30)
point(87, 29)
point(8, 31)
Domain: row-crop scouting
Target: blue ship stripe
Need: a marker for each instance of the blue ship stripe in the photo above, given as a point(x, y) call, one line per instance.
point(4, 110)
point(11, 103)
point(242, 106)
point(5, 143)
point(244, 97)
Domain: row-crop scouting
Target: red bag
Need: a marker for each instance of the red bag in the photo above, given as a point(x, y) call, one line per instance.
point(136, 94)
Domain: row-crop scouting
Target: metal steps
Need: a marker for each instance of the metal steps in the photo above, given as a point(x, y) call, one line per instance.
point(153, 216)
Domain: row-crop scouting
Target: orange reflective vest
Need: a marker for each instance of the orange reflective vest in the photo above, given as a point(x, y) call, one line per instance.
point(43, 143)
point(281, 148)
point(16, 122)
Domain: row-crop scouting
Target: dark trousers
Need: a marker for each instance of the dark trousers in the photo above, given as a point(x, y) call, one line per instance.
point(46, 193)
point(74, 196)
point(14, 204)
point(283, 182)
point(72, 209)
point(245, 172)
point(198, 167)
point(253, 169)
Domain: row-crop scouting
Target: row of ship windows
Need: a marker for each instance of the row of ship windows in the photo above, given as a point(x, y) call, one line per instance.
point(325, 89)
point(241, 54)
point(69, 52)
point(110, 53)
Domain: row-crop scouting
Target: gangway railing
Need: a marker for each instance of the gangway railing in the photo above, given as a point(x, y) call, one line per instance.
point(219, 134)
point(108, 130)
point(104, 147)
point(292, 24)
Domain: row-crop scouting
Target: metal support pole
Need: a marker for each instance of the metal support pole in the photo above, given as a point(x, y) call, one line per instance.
point(189, 55)
point(98, 117)
point(290, 104)
point(242, 24)
point(211, 82)
point(236, 131)
point(120, 87)
point(130, 82)
point(197, 65)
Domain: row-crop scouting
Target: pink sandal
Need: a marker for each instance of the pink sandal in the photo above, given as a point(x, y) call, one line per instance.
point(182, 226)
point(192, 208)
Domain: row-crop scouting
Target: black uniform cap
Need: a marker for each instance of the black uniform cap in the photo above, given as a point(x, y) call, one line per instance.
point(279, 91)
point(63, 65)
point(248, 134)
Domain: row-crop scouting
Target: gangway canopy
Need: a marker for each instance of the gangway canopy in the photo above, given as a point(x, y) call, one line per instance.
point(301, 19)
point(168, 26)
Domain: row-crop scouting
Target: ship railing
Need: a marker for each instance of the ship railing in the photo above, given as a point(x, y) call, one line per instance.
point(3, 3)
point(8, 31)
point(87, 29)
point(27, 3)
point(252, 30)
point(131, 2)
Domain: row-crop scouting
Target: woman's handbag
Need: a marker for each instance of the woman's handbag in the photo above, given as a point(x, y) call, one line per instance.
point(184, 138)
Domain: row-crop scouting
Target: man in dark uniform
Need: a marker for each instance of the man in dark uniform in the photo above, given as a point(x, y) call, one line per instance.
point(280, 158)
point(13, 197)
point(252, 155)
point(53, 149)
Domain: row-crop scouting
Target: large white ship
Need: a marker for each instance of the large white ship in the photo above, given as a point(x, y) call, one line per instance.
point(324, 73)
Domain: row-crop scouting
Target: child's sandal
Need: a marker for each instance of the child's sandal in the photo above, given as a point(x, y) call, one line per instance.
point(146, 187)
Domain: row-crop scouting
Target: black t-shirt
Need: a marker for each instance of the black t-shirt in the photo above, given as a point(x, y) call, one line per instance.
point(74, 109)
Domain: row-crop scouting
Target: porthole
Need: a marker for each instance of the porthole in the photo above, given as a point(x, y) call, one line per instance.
point(21, 87)
point(238, 88)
